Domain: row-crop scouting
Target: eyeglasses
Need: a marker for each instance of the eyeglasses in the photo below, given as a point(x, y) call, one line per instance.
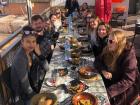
point(28, 32)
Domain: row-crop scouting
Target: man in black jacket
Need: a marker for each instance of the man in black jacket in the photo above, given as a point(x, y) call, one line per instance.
point(43, 41)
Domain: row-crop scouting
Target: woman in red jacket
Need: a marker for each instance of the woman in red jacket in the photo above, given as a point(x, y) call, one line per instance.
point(118, 67)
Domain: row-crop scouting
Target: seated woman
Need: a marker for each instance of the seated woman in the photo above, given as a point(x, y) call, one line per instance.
point(57, 23)
point(59, 14)
point(99, 40)
point(118, 67)
point(50, 32)
point(84, 14)
point(88, 17)
point(84, 6)
point(21, 67)
point(92, 27)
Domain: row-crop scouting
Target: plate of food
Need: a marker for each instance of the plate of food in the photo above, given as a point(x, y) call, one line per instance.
point(83, 39)
point(76, 86)
point(44, 99)
point(75, 54)
point(76, 45)
point(86, 51)
point(82, 31)
point(62, 39)
point(51, 82)
point(62, 72)
point(75, 61)
point(87, 72)
point(84, 98)
point(81, 23)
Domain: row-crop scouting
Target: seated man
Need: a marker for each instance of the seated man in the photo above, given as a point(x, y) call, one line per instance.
point(44, 43)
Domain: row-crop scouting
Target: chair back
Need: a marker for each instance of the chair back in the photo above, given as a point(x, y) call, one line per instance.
point(6, 81)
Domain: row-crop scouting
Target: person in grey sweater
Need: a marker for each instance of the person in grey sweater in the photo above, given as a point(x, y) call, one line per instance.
point(21, 67)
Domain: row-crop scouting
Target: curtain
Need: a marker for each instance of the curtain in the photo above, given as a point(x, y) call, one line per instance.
point(117, 1)
point(103, 10)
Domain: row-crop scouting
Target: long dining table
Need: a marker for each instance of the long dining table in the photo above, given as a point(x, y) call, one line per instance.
point(95, 86)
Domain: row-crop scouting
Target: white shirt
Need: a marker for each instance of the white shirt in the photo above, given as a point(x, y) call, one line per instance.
point(57, 24)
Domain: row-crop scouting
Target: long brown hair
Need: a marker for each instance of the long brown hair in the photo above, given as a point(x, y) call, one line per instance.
point(95, 18)
point(110, 57)
point(107, 27)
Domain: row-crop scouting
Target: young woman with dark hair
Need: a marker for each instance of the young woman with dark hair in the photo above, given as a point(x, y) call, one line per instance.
point(21, 67)
point(99, 41)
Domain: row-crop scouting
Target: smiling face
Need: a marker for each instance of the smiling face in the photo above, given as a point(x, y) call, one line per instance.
point(93, 23)
point(48, 24)
point(117, 41)
point(102, 32)
point(84, 13)
point(58, 13)
point(53, 18)
point(38, 25)
point(29, 43)
point(112, 43)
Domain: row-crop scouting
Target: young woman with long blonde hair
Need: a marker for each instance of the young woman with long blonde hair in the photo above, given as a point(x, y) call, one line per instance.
point(118, 67)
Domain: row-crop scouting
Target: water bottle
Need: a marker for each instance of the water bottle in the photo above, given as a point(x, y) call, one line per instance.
point(67, 50)
point(74, 14)
point(70, 26)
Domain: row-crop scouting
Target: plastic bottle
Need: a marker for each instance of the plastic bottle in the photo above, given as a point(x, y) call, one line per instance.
point(70, 24)
point(67, 50)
